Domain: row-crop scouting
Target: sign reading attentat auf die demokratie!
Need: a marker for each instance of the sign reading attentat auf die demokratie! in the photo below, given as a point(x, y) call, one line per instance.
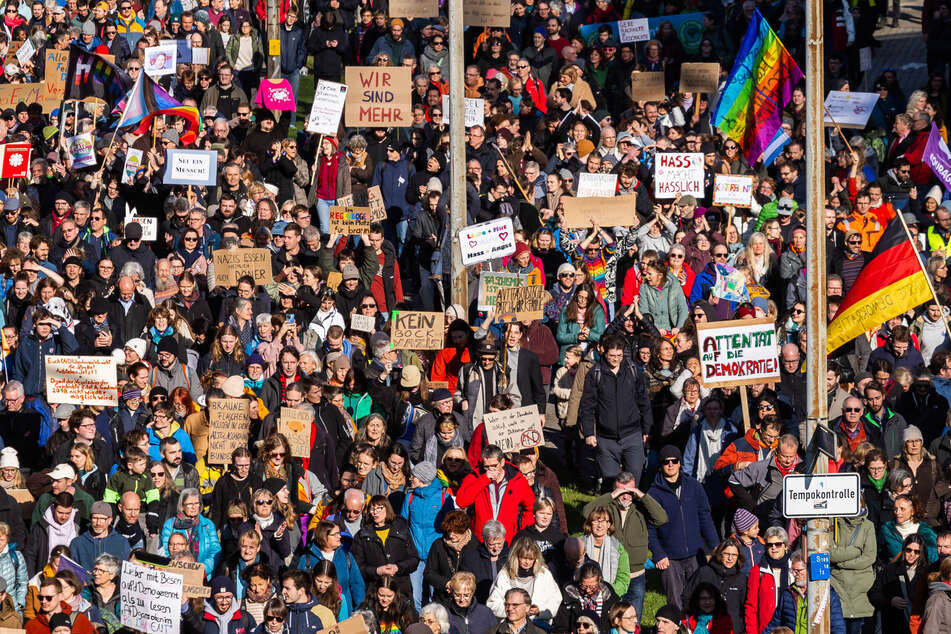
point(487, 241)
point(514, 429)
point(229, 420)
point(81, 380)
point(379, 96)
point(191, 167)
point(678, 173)
point(738, 352)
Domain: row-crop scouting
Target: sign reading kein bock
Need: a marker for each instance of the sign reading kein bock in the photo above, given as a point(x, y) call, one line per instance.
point(81, 380)
point(231, 264)
point(417, 330)
point(821, 495)
point(514, 429)
point(150, 599)
point(230, 421)
point(738, 352)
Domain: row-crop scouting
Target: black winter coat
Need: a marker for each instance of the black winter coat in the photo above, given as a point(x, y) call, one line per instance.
point(475, 619)
point(732, 585)
point(442, 563)
point(570, 609)
point(479, 563)
point(370, 553)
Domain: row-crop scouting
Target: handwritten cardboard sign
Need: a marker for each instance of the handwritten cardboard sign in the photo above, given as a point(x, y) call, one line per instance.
point(732, 190)
point(475, 110)
point(487, 13)
point(329, 99)
point(362, 323)
point(295, 424)
point(150, 599)
point(232, 264)
point(349, 221)
point(56, 64)
point(377, 207)
point(379, 96)
point(353, 625)
point(521, 303)
point(648, 85)
point(849, 109)
point(636, 30)
point(149, 226)
point(81, 380)
point(193, 576)
point(487, 240)
point(229, 420)
point(334, 278)
point(43, 94)
point(418, 330)
point(191, 167)
point(678, 173)
point(699, 77)
point(596, 185)
point(619, 211)
point(514, 429)
point(490, 283)
point(414, 8)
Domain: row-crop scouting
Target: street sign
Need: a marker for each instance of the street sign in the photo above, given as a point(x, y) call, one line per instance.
point(821, 495)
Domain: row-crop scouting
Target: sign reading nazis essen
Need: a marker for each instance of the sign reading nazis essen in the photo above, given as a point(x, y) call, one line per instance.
point(417, 330)
point(81, 380)
point(739, 352)
point(231, 264)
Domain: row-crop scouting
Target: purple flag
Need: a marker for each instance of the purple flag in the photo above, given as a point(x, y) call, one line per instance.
point(938, 157)
point(65, 563)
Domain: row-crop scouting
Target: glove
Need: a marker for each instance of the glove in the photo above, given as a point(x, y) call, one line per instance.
point(899, 603)
point(303, 72)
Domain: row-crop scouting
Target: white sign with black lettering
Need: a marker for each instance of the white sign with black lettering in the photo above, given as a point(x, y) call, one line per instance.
point(150, 599)
point(821, 495)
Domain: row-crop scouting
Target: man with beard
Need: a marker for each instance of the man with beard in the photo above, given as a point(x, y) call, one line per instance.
point(225, 96)
point(789, 611)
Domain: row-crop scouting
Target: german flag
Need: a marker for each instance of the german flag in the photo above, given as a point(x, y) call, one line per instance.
point(891, 283)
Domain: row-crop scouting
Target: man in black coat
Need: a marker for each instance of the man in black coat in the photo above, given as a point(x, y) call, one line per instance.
point(128, 311)
point(234, 486)
point(527, 378)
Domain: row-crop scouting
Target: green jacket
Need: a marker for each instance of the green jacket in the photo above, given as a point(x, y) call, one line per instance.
point(122, 481)
point(854, 549)
point(634, 535)
point(257, 51)
point(83, 502)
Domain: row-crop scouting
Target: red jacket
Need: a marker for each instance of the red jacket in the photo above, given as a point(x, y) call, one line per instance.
point(536, 90)
point(41, 624)
point(722, 624)
point(920, 172)
point(515, 511)
point(760, 598)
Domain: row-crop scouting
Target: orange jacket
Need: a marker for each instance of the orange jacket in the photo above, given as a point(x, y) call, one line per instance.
point(745, 449)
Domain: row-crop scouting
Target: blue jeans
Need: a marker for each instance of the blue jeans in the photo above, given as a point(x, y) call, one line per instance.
point(323, 214)
point(416, 579)
point(294, 79)
point(635, 594)
point(402, 227)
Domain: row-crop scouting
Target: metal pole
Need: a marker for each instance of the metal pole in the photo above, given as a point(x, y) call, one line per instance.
point(273, 40)
point(457, 152)
point(817, 536)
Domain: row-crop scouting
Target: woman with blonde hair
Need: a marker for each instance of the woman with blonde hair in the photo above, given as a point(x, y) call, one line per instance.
point(526, 569)
point(762, 261)
point(158, 326)
point(465, 612)
point(92, 479)
point(274, 461)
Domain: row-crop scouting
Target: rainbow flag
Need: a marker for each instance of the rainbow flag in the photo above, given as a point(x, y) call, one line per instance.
point(750, 110)
point(147, 99)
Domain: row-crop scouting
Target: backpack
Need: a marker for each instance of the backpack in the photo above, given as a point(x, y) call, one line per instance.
point(625, 364)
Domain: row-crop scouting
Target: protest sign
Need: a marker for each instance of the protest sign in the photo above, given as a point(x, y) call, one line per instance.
point(678, 173)
point(345, 201)
point(521, 303)
point(150, 598)
point(362, 323)
point(487, 13)
point(648, 85)
point(200, 56)
point(149, 225)
point(730, 284)
point(81, 150)
point(26, 52)
point(699, 77)
point(417, 330)
point(229, 421)
point(732, 190)
point(379, 96)
point(375, 200)
point(414, 9)
point(295, 424)
point(56, 64)
point(487, 241)
point(596, 185)
point(231, 264)
point(81, 380)
point(849, 109)
point(191, 167)
point(160, 60)
point(475, 111)
point(514, 429)
point(44, 94)
point(192, 572)
point(635, 30)
point(334, 278)
point(349, 221)
point(329, 99)
point(133, 161)
point(738, 352)
point(937, 156)
point(490, 283)
point(15, 161)
point(353, 625)
point(619, 211)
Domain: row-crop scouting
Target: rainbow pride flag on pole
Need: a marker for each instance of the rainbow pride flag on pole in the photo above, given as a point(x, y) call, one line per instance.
point(750, 110)
point(147, 99)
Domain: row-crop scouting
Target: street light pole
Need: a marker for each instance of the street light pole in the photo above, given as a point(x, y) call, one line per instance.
point(457, 152)
point(273, 40)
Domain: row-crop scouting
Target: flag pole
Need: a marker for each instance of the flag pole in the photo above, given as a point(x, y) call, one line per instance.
point(110, 151)
point(944, 320)
point(313, 177)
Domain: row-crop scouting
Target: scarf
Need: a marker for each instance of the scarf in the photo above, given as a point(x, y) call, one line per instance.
point(283, 381)
point(254, 385)
point(435, 442)
point(880, 483)
point(608, 557)
point(710, 449)
point(395, 481)
point(909, 527)
point(157, 336)
point(60, 534)
point(591, 602)
point(703, 623)
point(188, 527)
point(263, 522)
point(782, 565)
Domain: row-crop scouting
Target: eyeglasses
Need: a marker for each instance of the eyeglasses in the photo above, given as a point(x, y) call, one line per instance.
point(675, 255)
point(187, 239)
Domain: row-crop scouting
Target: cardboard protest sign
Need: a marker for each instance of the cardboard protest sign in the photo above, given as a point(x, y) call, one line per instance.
point(521, 303)
point(732, 190)
point(26, 52)
point(619, 211)
point(487, 13)
point(738, 352)
point(81, 380)
point(192, 572)
point(648, 85)
point(514, 429)
point(414, 8)
point(56, 64)
point(636, 30)
point(229, 420)
point(191, 167)
point(329, 99)
point(678, 173)
point(353, 625)
point(149, 226)
point(133, 161)
point(81, 150)
point(362, 323)
point(487, 241)
point(334, 278)
point(377, 207)
point(345, 201)
point(475, 111)
point(417, 330)
point(295, 424)
point(596, 185)
point(231, 264)
point(349, 221)
point(849, 109)
point(490, 283)
point(379, 96)
point(150, 599)
point(44, 94)
point(699, 77)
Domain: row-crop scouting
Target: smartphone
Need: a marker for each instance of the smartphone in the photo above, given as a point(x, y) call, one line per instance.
point(290, 318)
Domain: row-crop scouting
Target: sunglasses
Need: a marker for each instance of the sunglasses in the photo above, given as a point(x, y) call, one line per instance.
point(774, 544)
point(43, 597)
point(907, 550)
point(367, 305)
point(271, 617)
point(719, 255)
point(671, 461)
point(854, 410)
point(264, 502)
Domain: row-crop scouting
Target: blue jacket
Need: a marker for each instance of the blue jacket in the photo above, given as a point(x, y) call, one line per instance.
point(394, 179)
point(301, 619)
point(787, 612)
point(86, 548)
point(29, 366)
point(424, 509)
point(209, 548)
point(890, 541)
point(293, 49)
point(188, 450)
point(689, 523)
point(349, 578)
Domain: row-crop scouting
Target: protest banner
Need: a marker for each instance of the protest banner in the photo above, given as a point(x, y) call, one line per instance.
point(937, 156)
point(490, 283)
point(596, 185)
point(619, 211)
point(133, 161)
point(15, 161)
point(56, 65)
point(43, 94)
point(636, 30)
point(81, 150)
point(150, 599)
point(353, 625)
point(678, 173)
point(231, 264)
point(295, 424)
point(738, 352)
point(487, 13)
point(349, 221)
point(379, 96)
point(414, 9)
point(362, 323)
point(375, 200)
point(521, 303)
point(648, 85)
point(487, 241)
point(849, 109)
point(417, 330)
point(329, 99)
point(191, 167)
point(81, 380)
point(732, 190)
point(475, 111)
point(229, 421)
point(160, 60)
point(699, 77)
point(514, 429)
point(149, 225)
point(334, 278)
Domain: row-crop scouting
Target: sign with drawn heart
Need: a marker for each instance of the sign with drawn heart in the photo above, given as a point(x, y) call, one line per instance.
point(487, 241)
